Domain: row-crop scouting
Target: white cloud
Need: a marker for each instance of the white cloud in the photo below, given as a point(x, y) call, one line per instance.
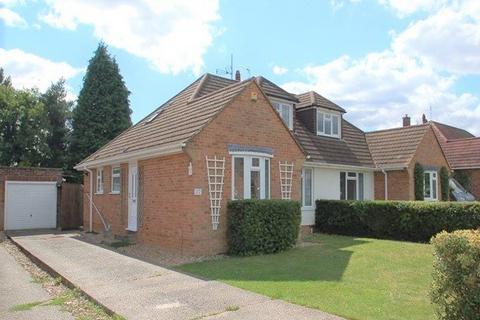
point(278, 70)
point(449, 39)
point(28, 70)
point(172, 35)
point(11, 18)
point(407, 7)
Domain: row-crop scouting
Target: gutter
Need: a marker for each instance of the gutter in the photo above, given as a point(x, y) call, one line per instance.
point(336, 166)
point(386, 183)
point(90, 209)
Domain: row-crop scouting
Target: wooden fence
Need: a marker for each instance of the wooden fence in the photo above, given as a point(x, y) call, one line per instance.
point(71, 206)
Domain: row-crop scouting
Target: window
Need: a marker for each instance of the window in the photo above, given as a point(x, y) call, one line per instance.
point(328, 124)
point(99, 180)
point(250, 177)
point(430, 186)
point(352, 186)
point(286, 113)
point(307, 187)
point(116, 180)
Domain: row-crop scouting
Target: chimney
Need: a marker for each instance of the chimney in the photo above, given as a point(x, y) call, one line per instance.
point(237, 76)
point(406, 120)
point(424, 119)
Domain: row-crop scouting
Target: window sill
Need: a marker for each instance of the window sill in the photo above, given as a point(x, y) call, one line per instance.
point(328, 135)
point(97, 193)
point(114, 192)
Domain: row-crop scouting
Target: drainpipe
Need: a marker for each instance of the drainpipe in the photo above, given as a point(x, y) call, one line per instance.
point(386, 183)
point(90, 180)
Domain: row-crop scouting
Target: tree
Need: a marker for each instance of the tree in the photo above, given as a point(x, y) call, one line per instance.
point(102, 110)
point(58, 111)
point(23, 123)
point(5, 80)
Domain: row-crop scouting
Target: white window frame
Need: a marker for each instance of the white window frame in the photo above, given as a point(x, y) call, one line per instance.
point(312, 201)
point(99, 181)
point(279, 106)
point(328, 117)
point(248, 168)
point(116, 175)
point(356, 178)
point(433, 178)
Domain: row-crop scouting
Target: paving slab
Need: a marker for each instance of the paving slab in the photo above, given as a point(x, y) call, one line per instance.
point(17, 288)
point(139, 290)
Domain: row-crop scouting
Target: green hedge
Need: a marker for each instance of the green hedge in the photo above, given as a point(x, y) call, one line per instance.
point(398, 220)
point(456, 275)
point(262, 226)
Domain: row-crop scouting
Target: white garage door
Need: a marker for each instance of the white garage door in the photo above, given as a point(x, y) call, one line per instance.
point(30, 205)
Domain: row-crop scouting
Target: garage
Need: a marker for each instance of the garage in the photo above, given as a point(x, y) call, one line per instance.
point(30, 205)
point(28, 198)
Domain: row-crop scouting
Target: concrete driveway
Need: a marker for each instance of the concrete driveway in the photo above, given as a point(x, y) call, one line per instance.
point(139, 290)
point(17, 290)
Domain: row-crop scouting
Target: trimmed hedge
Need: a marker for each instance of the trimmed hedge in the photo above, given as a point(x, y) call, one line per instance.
point(456, 275)
point(397, 220)
point(262, 226)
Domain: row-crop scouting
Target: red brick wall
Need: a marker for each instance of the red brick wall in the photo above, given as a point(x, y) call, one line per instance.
point(111, 206)
point(474, 175)
point(401, 182)
point(24, 174)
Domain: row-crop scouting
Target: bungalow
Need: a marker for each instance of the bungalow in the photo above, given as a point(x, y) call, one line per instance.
point(166, 179)
point(395, 153)
point(462, 150)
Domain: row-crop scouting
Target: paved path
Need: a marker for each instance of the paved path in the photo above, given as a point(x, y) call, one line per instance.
point(139, 290)
point(17, 288)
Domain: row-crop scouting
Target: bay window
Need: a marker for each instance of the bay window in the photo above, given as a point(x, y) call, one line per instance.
point(430, 186)
point(352, 186)
point(250, 177)
point(328, 124)
point(307, 187)
point(286, 112)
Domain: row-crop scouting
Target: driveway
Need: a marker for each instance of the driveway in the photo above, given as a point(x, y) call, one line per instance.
point(139, 290)
point(17, 289)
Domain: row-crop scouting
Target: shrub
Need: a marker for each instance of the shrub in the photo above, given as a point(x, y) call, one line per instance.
point(397, 220)
point(419, 181)
point(262, 226)
point(444, 183)
point(456, 275)
point(463, 178)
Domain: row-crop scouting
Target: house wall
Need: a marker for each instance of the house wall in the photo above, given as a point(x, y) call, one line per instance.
point(113, 207)
point(474, 175)
point(24, 174)
point(399, 182)
point(326, 186)
point(244, 122)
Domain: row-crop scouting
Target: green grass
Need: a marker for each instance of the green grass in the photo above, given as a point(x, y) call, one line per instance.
point(356, 278)
point(26, 306)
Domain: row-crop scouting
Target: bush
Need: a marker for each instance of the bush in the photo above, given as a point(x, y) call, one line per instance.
point(444, 183)
point(419, 181)
point(397, 220)
point(262, 226)
point(456, 275)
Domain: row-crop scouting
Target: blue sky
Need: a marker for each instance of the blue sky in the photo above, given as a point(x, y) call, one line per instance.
point(378, 59)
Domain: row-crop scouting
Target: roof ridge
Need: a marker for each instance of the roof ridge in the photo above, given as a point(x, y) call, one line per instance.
point(199, 87)
point(208, 95)
point(398, 128)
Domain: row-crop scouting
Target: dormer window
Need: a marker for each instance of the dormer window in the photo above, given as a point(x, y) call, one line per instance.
point(286, 112)
point(328, 123)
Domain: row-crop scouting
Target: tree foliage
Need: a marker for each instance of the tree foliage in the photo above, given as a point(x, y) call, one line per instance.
point(419, 181)
point(102, 110)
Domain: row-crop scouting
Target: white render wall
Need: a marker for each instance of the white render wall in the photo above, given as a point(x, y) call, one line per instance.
point(326, 186)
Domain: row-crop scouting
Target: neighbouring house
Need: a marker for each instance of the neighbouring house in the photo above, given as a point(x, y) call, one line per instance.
point(395, 153)
point(462, 150)
point(167, 179)
point(339, 165)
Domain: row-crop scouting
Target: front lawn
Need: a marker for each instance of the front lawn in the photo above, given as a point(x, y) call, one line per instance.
point(356, 278)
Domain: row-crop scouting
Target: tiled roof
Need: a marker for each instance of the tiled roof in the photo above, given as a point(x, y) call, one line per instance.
point(351, 150)
point(311, 98)
point(272, 90)
point(396, 147)
point(463, 153)
point(461, 148)
point(177, 120)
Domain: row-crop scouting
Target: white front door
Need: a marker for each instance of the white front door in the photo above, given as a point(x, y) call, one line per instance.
point(132, 196)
